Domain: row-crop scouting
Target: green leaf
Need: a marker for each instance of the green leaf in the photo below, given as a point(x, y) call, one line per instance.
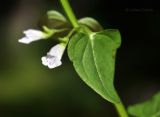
point(56, 20)
point(91, 24)
point(93, 57)
point(149, 108)
point(55, 15)
point(113, 34)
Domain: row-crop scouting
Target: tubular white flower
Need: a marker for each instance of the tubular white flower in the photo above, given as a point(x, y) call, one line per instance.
point(53, 57)
point(32, 35)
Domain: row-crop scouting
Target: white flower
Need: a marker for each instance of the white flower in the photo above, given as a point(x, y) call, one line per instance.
point(53, 57)
point(32, 35)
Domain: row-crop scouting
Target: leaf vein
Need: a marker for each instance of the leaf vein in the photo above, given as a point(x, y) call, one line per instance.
point(98, 72)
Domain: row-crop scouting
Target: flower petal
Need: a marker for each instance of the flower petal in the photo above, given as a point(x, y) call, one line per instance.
point(34, 34)
point(57, 51)
point(53, 57)
point(51, 61)
point(44, 61)
point(53, 64)
point(25, 40)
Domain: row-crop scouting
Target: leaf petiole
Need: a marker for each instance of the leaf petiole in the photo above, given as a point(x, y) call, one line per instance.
point(121, 109)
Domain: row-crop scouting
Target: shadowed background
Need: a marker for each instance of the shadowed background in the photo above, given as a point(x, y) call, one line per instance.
point(27, 88)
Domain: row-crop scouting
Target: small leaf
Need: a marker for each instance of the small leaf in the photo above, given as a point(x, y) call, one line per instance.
point(53, 14)
point(56, 20)
point(91, 23)
point(93, 57)
point(149, 108)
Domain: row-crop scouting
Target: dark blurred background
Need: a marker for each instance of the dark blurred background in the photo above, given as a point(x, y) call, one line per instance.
point(28, 89)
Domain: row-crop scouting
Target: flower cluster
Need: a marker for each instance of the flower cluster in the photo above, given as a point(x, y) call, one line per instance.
point(54, 56)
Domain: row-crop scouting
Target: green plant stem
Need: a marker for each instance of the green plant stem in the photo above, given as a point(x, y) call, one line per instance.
point(67, 8)
point(121, 109)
